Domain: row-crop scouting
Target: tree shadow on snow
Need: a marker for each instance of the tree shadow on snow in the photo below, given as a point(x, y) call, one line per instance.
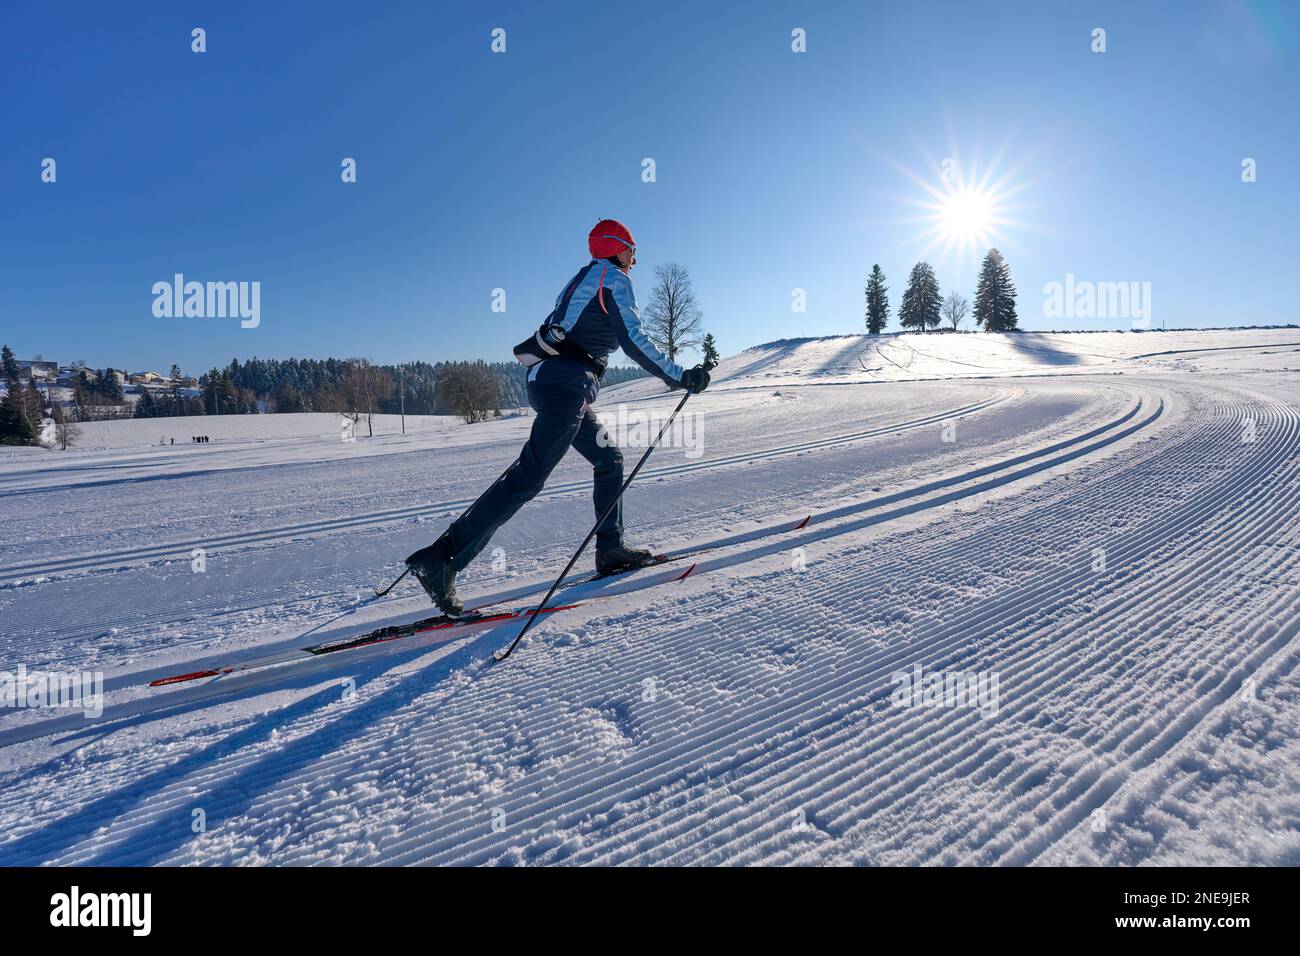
point(1040, 350)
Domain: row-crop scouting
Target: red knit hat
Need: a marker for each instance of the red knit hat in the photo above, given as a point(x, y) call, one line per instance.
point(608, 238)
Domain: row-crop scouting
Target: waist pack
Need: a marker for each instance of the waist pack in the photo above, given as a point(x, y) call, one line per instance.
point(550, 341)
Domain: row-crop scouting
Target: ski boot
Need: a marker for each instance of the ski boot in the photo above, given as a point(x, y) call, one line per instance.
point(622, 558)
point(432, 567)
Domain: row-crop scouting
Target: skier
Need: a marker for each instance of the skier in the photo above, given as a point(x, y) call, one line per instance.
point(594, 314)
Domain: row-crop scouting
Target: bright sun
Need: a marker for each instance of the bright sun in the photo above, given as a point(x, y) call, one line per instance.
point(967, 215)
point(963, 210)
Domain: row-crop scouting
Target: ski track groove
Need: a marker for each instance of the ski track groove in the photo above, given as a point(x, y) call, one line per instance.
point(1066, 653)
point(938, 743)
point(1230, 429)
point(154, 553)
point(820, 531)
point(980, 625)
point(823, 531)
point(526, 705)
point(895, 763)
point(1094, 431)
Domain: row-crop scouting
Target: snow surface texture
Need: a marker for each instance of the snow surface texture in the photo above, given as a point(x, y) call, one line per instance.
point(1101, 528)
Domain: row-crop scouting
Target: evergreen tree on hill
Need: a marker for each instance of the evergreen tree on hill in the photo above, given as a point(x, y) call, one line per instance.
point(710, 348)
point(995, 295)
point(921, 305)
point(877, 301)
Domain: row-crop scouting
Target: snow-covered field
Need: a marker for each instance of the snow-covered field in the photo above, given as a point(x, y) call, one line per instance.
point(1088, 540)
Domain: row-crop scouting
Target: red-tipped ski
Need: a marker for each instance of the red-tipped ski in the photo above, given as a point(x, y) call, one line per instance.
point(479, 616)
point(685, 574)
point(380, 635)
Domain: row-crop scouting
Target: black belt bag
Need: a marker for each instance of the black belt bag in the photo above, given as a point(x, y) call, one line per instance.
point(550, 341)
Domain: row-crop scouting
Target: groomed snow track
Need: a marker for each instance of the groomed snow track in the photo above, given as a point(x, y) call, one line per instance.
point(214, 544)
point(1068, 733)
point(711, 555)
point(767, 733)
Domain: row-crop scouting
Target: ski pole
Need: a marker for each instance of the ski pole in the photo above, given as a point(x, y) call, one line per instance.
point(393, 584)
point(592, 533)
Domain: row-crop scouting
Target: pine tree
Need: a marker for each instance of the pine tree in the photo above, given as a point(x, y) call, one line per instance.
point(10, 364)
point(710, 350)
point(229, 395)
point(995, 295)
point(211, 404)
point(15, 429)
point(288, 398)
point(877, 301)
point(921, 304)
point(111, 388)
point(175, 390)
point(15, 426)
point(34, 406)
point(146, 407)
point(81, 393)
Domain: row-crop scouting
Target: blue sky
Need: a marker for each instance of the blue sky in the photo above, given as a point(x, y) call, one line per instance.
point(775, 170)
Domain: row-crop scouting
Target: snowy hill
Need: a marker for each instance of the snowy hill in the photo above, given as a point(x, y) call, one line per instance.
point(911, 356)
point(949, 599)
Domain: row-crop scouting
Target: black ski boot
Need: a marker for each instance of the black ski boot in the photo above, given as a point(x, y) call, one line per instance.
point(433, 569)
point(622, 558)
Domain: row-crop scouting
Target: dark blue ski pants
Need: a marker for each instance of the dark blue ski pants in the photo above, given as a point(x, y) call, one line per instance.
point(561, 393)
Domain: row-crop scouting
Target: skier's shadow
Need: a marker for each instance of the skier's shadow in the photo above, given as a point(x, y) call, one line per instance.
point(234, 794)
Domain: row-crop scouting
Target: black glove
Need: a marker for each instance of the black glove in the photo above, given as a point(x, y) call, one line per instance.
point(696, 380)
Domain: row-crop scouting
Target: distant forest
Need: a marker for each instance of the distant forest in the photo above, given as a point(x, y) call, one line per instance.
point(31, 414)
point(333, 385)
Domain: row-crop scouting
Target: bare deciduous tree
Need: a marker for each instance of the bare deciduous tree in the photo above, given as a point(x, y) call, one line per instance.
point(364, 387)
point(64, 428)
point(955, 308)
point(672, 318)
point(471, 390)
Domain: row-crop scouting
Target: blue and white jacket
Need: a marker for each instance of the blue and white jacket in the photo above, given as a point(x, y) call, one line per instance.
point(598, 313)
